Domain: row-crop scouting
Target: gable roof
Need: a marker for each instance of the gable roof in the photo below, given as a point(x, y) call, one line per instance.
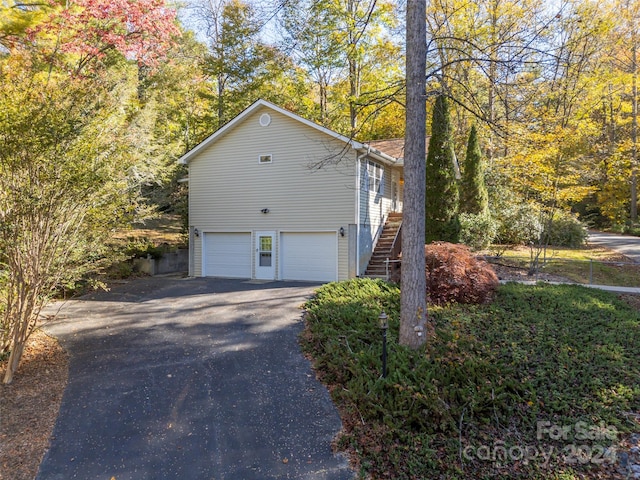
point(358, 146)
point(395, 148)
point(392, 146)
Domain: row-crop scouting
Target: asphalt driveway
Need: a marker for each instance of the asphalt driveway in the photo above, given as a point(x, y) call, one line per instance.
point(626, 244)
point(191, 379)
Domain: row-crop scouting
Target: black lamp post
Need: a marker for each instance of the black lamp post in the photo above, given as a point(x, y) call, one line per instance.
point(383, 323)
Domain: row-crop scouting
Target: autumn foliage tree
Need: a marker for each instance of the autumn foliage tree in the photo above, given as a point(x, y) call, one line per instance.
point(238, 63)
point(87, 30)
point(65, 156)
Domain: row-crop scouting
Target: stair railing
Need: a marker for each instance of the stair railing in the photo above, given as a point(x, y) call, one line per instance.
point(396, 248)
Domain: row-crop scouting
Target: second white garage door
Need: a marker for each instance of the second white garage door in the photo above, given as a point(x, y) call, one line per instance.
point(309, 256)
point(227, 255)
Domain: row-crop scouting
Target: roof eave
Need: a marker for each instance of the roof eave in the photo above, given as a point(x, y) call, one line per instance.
point(378, 155)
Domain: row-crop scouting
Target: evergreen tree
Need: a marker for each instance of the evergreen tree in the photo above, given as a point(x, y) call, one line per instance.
point(474, 197)
point(441, 193)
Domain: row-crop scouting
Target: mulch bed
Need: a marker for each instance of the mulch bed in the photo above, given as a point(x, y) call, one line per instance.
point(511, 273)
point(29, 406)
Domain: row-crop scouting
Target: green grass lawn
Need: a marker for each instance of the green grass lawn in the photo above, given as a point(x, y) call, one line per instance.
point(585, 265)
point(543, 383)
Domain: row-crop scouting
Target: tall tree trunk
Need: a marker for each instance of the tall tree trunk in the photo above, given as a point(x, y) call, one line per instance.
point(493, 80)
point(353, 93)
point(352, 58)
point(634, 132)
point(221, 119)
point(323, 101)
point(413, 304)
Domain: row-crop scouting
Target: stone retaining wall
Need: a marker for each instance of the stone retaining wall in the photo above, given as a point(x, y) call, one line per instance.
point(170, 262)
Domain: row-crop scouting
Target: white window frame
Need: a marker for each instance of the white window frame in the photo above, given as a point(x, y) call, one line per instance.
point(375, 174)
point(262, 161)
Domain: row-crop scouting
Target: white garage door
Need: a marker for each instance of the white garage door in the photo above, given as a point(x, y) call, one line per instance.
point(309, 256)
point(227, 255)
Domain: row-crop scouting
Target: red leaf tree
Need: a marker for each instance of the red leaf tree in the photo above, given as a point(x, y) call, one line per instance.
point(453, 274)
point(141, 30)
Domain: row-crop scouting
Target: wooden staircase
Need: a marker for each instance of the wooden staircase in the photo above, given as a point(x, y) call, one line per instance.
point(387, 247)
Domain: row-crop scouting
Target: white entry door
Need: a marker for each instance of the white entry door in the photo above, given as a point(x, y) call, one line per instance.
point(265, 255)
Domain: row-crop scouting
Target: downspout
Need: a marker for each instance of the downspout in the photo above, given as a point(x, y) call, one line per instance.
point(358, 195)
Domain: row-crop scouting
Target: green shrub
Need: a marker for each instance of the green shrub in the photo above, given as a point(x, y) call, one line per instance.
point(477, 231)
point(344, 337)
point(144, 248)
point(518, 224)
point(442, 195)
point(566, 230)
point(474, 197)
point(618, 228)
point(120, 270)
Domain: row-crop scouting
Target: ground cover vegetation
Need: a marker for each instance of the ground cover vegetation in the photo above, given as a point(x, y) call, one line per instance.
point(478, 401)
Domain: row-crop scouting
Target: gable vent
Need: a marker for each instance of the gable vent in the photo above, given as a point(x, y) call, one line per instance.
point(265, 120)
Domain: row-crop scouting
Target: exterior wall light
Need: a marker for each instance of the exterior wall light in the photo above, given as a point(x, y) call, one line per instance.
point(341, 231)
point(196, 232)
point(265, 210)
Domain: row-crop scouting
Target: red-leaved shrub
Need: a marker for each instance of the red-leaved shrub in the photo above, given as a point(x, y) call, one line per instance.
point(455, 275)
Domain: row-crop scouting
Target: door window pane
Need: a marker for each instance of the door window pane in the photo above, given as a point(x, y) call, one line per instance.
point(265, 259)
point(265, 244)
point(266, 248)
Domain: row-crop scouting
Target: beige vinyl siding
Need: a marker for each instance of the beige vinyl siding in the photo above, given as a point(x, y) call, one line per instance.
point(228, 186)
point(195, 267)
